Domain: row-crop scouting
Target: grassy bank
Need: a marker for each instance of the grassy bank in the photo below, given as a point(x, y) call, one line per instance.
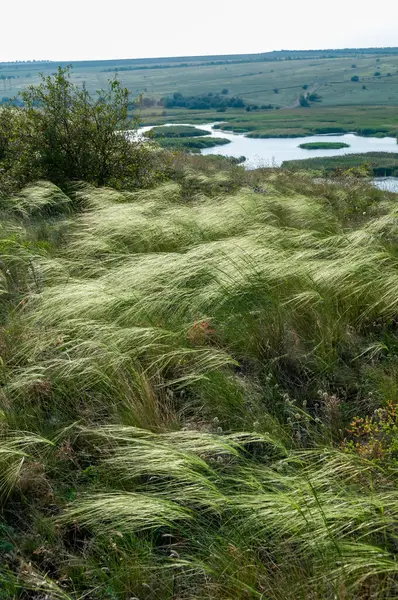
point(324, 145)
point(177, 131)
point(371, 121)
point(378, 164)
point(192, 144)
point(181, 371)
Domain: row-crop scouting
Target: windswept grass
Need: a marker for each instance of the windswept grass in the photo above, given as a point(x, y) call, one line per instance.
point(179, 370)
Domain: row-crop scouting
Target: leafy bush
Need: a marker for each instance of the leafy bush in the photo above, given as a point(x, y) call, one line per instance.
point(314, 97)
point(64, 134)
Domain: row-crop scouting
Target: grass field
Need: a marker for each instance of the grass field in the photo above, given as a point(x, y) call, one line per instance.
point(181, 371)
point(198, 368)
point(345, 105)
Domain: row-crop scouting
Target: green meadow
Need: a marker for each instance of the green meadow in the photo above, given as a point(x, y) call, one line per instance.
point(199, 369)
point(273, 79)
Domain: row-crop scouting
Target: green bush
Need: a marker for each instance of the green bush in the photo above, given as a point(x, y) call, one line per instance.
point(64, 134)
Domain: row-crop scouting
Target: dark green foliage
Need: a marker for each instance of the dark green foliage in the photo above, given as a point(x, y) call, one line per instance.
point(377, 74)
point(64, 134)
point(204, 102)
point(324, 145)
point(76, 135)
point(303, 101)
point(192, 144)
point(177, 131)
point(355, 78)
point(314, 97)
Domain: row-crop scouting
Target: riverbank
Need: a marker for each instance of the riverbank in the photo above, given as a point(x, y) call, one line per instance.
point(272, 152)
point(377, 164)
point(368, 121)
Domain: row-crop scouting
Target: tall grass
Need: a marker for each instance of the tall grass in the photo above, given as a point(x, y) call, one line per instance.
point(179, 367)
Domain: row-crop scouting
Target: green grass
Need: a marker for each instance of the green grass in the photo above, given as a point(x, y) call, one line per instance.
point(379, 164)
point(177, 131)
point(324, 145)
point(179, 369)
point(346, 106)
point(192, 144)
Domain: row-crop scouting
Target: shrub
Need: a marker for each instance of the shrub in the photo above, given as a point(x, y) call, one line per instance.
point(355, 78)
point(65, 134)
point(315, 97)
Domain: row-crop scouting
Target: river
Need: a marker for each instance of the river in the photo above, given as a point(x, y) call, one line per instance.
point(272, 152)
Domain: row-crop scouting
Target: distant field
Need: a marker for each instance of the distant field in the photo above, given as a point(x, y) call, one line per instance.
point(379, 164)
point(275, 79)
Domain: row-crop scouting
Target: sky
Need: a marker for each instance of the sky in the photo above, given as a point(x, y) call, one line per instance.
point(94, 29)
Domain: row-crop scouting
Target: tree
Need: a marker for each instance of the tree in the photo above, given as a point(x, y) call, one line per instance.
point(305, 86)
point(377, 74)
point(276, 91)
point(355, 78)
point(225, 91)
point(80, 137)
point(63, 134)
point(304, 102)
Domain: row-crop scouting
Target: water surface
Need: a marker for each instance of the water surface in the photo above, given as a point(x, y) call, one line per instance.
point(274, 151)
point(387, 184)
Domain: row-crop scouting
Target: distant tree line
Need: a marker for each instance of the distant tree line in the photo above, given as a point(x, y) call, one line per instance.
point(202, 102)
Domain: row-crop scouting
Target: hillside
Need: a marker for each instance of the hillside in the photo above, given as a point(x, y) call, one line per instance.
point(198, 369)
point(180, 368)
point(267, 80)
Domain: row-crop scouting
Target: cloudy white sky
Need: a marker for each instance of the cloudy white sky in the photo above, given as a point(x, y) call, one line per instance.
point(94, 29)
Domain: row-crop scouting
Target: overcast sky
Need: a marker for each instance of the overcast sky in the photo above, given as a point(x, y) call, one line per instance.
point(94, 29)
